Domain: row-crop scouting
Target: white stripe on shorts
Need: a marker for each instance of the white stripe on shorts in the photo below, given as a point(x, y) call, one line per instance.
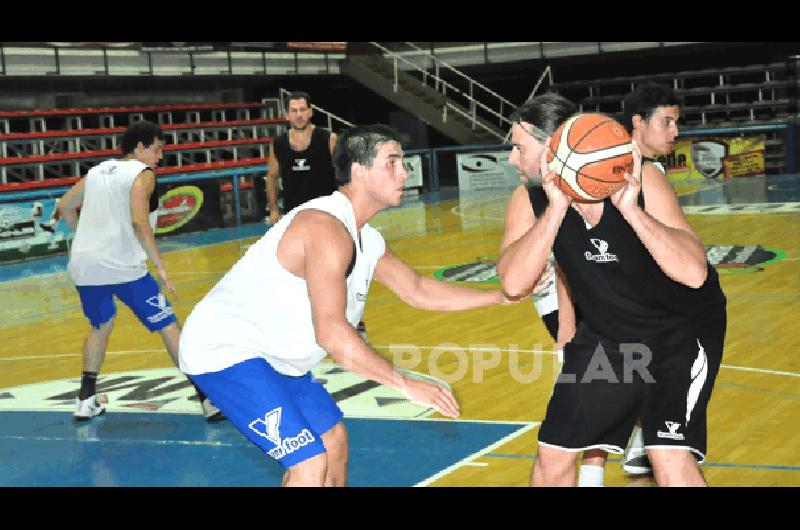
point(698, 374)
point(605, 447)
point(692, 449)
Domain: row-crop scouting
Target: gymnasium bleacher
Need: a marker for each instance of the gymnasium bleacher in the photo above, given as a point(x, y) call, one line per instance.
point(199, 138)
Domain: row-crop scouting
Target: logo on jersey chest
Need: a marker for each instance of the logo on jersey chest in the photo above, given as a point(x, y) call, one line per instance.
point(301, 164)
point(604, 256)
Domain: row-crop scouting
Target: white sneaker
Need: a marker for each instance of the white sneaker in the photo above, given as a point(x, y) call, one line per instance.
point(636, 461)
point(211, 412)
point(86, 409)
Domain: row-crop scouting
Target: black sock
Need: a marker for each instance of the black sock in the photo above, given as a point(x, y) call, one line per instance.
point(200, 395)
point(88, 388)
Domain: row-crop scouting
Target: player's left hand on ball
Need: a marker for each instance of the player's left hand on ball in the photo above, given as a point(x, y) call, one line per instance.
point(626, 197)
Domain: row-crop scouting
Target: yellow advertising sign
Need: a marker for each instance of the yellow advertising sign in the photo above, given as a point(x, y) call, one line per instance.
point(711, 158)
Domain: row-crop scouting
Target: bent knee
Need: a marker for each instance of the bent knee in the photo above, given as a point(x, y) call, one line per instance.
point(310, 471)
point(336, 437)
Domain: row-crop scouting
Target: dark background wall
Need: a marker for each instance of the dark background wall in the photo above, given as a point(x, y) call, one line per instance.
point(350, 100)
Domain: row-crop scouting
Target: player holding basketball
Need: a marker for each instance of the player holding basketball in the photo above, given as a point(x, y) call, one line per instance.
point(253, 356)
point(534, 123)
point(650, 340)
point(113, 239)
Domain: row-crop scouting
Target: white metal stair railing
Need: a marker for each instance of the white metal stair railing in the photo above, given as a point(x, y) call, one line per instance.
point(444, 87)
point(547, 72)
point(505, 106)
point(283, 98)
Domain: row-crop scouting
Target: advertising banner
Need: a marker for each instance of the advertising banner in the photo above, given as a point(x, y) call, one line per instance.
point(26, 230)
point(713, 158)
point(413, 165)
point(486, 170)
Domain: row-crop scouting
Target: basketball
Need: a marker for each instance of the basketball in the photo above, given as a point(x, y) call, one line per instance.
point(590, 153)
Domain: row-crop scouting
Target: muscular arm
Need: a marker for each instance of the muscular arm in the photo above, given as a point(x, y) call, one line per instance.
point(523, 257)
point(332, 142)
point(317, 247)
point(663, 229)
point(67, 206)
point(272, 181)
point(428, 293)
point(326, 249)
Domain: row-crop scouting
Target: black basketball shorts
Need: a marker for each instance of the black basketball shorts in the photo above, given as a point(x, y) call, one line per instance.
point(604, 387)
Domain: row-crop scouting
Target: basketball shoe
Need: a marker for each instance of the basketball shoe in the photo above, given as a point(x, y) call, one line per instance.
point(211, 412)
point(636, 461)
point(86, 409)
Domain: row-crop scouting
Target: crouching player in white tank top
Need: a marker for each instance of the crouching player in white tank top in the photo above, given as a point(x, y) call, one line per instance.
point(297, 295)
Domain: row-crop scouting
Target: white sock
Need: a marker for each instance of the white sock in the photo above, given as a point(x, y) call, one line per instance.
point(591, 476)
point(637, 440)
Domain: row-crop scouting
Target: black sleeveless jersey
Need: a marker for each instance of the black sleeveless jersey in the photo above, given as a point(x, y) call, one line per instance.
point(619, 289)
point(308, 174)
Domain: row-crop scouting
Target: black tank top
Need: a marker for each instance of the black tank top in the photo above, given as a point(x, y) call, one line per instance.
point(307, 174)
point(619, 289)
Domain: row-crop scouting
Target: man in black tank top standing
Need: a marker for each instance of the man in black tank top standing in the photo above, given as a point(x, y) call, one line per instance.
point(302, 158)
point(649, 344)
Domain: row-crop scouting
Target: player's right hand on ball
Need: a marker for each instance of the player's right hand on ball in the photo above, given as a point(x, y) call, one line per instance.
point(556, 197)
point(428, 393)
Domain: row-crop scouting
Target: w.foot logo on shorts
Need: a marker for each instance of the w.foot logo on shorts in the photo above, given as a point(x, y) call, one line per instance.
point(673, 433)
point(269, 428)
point(159, 301)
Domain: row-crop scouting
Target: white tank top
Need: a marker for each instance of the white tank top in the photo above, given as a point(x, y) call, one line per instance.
point(105, 249)
point(259, 309)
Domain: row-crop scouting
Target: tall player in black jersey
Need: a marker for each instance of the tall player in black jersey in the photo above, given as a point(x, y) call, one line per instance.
point(650, 340)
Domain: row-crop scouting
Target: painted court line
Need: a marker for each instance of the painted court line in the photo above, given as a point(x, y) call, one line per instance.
point(550, 352)
point(244, 443)
point(386, 347)
point(705, 464)
point(465, 461)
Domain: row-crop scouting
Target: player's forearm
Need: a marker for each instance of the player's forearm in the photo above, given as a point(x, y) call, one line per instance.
point(346, 347)
point(522, 262)
point(272, 192)
point(70, 216)
point(678, 253)
point(144, 233)
point(434, 295)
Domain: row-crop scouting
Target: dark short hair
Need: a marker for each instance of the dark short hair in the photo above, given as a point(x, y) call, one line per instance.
point(546, 112)
point(298, 95)
point(140, 131)
point(644, 101)
point(359, 144)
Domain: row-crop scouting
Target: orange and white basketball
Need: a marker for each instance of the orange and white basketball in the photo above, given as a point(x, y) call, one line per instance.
point(590, 153)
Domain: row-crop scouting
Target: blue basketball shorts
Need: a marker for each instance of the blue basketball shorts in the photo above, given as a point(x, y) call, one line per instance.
point(284, 416)
point(142, 296)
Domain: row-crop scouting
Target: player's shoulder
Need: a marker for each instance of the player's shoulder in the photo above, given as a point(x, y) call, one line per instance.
point(651, 165)
point(371, 235)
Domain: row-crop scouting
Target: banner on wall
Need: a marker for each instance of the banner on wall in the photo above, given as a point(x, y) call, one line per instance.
point(413, 165)
point(26, 230)
point(485, 180)
point(713, 158)
point(486, 170)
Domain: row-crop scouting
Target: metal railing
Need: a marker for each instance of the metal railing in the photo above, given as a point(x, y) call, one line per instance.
point(504, 104)
point(444, 87)
point(283, 98)
point(547, 73)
